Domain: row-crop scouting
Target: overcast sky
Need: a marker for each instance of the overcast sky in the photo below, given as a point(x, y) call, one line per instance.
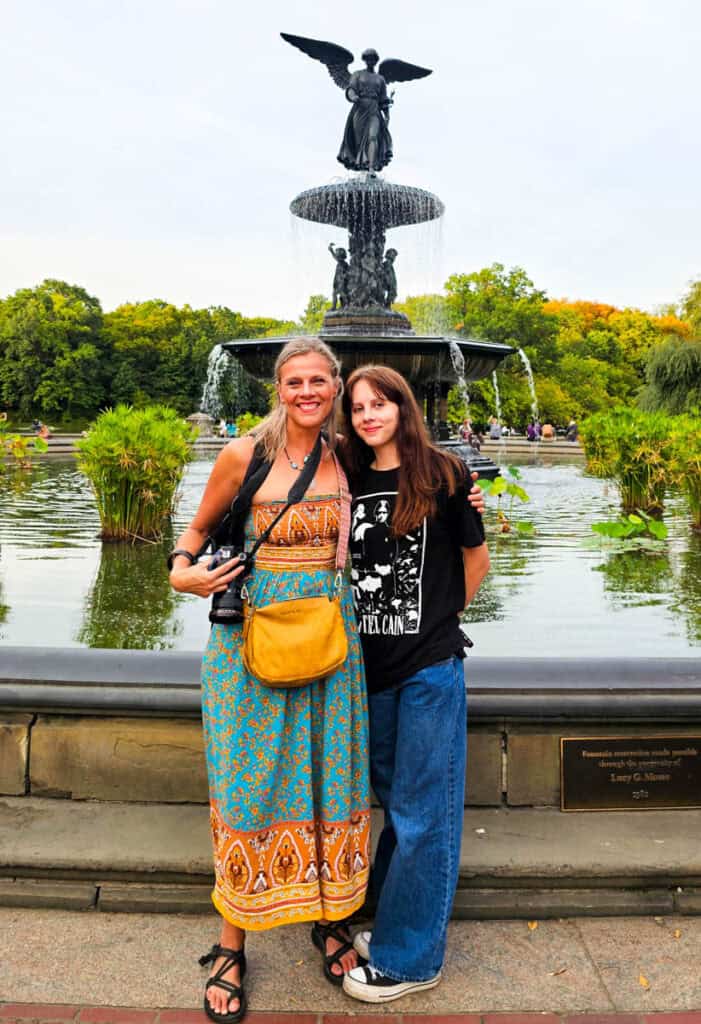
point(151, 148)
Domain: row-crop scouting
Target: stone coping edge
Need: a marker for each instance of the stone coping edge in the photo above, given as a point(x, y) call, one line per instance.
point(82, 679)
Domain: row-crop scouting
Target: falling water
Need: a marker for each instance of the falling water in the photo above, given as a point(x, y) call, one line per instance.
point(458, 361)
point(217, 366)
point(531, 383)
point(497, 396)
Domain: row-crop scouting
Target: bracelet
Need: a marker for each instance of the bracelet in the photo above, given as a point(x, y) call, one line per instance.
point(179, 551)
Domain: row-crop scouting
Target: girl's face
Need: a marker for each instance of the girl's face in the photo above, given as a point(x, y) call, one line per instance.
point(307, 389)
point(374, 418)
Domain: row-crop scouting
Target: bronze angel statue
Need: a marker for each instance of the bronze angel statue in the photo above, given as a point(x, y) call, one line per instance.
point(367, 143)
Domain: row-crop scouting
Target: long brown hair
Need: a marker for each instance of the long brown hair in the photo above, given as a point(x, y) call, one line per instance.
point(424, 469)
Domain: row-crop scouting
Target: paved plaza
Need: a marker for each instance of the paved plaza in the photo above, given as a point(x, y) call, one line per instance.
point(93, 967)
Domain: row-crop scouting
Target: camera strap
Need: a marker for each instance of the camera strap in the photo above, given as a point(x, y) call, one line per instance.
point(297, 491)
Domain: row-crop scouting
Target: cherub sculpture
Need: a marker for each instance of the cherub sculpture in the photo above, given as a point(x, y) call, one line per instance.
point(340, 277)
point(367, 143)
point(389, 278)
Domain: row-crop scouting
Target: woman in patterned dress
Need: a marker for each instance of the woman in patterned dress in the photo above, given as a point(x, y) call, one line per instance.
point(288, 768)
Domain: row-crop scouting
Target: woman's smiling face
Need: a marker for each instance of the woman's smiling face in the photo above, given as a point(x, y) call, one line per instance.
point(307, 389)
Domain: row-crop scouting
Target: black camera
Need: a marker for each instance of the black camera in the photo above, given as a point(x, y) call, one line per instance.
point(227, 606)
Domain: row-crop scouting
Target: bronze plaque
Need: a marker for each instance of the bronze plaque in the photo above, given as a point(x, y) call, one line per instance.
point(624, 773)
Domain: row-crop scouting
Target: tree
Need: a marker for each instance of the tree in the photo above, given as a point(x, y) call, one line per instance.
point(428, 313)
point(313, 315)
point(503, 306)
point(52, 358)
point(691, 306)
point(673, 374)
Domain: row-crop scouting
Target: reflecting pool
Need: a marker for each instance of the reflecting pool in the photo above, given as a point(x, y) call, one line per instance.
point(558, 592)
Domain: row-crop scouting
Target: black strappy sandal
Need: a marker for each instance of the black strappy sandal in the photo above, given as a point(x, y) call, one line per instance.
point(322, 932)
point(233, 957)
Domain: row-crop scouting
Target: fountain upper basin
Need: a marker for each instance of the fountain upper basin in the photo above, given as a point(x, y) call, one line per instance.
point(421, 359)
point(345, 203)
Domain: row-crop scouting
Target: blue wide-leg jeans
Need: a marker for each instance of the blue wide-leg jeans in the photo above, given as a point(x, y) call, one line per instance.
point(418, 746)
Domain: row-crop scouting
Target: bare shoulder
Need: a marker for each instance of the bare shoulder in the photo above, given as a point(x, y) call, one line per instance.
point(231, 464)
point(237, 453)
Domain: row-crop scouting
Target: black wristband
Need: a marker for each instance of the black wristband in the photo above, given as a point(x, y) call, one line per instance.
point(179, 551)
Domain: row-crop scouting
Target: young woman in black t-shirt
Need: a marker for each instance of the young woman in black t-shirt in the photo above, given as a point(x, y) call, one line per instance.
point(418, 558)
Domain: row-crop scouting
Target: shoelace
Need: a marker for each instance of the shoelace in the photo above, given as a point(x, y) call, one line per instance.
point(374, 973)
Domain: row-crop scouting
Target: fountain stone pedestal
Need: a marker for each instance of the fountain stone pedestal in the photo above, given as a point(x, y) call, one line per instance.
point(363, 327)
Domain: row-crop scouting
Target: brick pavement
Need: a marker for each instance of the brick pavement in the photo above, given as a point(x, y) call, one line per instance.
point(59, 1014)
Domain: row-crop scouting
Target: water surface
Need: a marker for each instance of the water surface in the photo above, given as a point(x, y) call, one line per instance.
point(560, 592)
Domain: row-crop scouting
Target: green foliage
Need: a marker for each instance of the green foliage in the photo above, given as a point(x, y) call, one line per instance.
point(502, 305)
point(313, 315)
point(247, 421)
point(508, 485)
point(673, 375)
point(428, 313)
point(52, 353)
point(691, 306)
point(685, 463)
point(18, 449)
point(637, 527)
point(134, 460)
point(634, 449)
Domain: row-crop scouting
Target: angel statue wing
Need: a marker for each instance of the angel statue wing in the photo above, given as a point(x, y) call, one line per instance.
point(336, 58)
point(400, 71)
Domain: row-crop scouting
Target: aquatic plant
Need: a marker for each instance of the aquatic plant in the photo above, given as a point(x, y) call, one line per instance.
point(685, 463)
point(634, 527)
point(18, 449)
point(134, 460)
point(508, 485)
point(633, 448)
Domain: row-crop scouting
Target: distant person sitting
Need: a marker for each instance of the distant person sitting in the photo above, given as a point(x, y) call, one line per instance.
point(548, 432)
point(531, 432)
point(464, 430)
point(231, 429)
point(494, 429)
point(572, 431)
point(44, 431)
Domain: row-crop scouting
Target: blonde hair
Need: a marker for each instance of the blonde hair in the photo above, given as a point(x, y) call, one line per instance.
point(271, 433)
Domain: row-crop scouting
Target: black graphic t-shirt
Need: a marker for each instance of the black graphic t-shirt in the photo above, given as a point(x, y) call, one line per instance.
point(408, 591)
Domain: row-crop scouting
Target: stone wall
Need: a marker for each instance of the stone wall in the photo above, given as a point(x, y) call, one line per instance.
point(161, 759)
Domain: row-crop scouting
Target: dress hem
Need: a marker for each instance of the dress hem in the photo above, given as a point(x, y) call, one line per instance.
point(294, 917)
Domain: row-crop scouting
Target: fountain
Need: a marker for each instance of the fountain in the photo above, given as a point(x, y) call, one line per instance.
point(362, 326)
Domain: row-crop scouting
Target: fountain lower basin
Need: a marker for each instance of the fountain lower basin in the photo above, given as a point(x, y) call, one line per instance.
point(422, 359)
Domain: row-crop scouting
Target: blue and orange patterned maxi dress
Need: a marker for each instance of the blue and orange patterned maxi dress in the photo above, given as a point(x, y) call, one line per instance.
point(288, 768)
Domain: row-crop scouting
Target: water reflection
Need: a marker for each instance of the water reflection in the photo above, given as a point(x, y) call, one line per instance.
point(635, 579)
point(511, 560)
point(130, 604)
point(687, 601)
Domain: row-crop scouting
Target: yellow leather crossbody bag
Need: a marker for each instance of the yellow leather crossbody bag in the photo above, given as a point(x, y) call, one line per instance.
point(291, 643)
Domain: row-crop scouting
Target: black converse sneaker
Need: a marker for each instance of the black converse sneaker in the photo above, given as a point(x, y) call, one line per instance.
point(370, 985)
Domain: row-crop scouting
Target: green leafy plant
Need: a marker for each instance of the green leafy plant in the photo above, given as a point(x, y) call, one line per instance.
point(634, 449)
point(134, 460)
point(636, 527)
point(247, 421)
point(508, 485)
point(685, 463)
point(18, 449)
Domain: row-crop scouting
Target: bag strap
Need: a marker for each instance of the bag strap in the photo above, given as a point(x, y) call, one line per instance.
point(344, 527)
